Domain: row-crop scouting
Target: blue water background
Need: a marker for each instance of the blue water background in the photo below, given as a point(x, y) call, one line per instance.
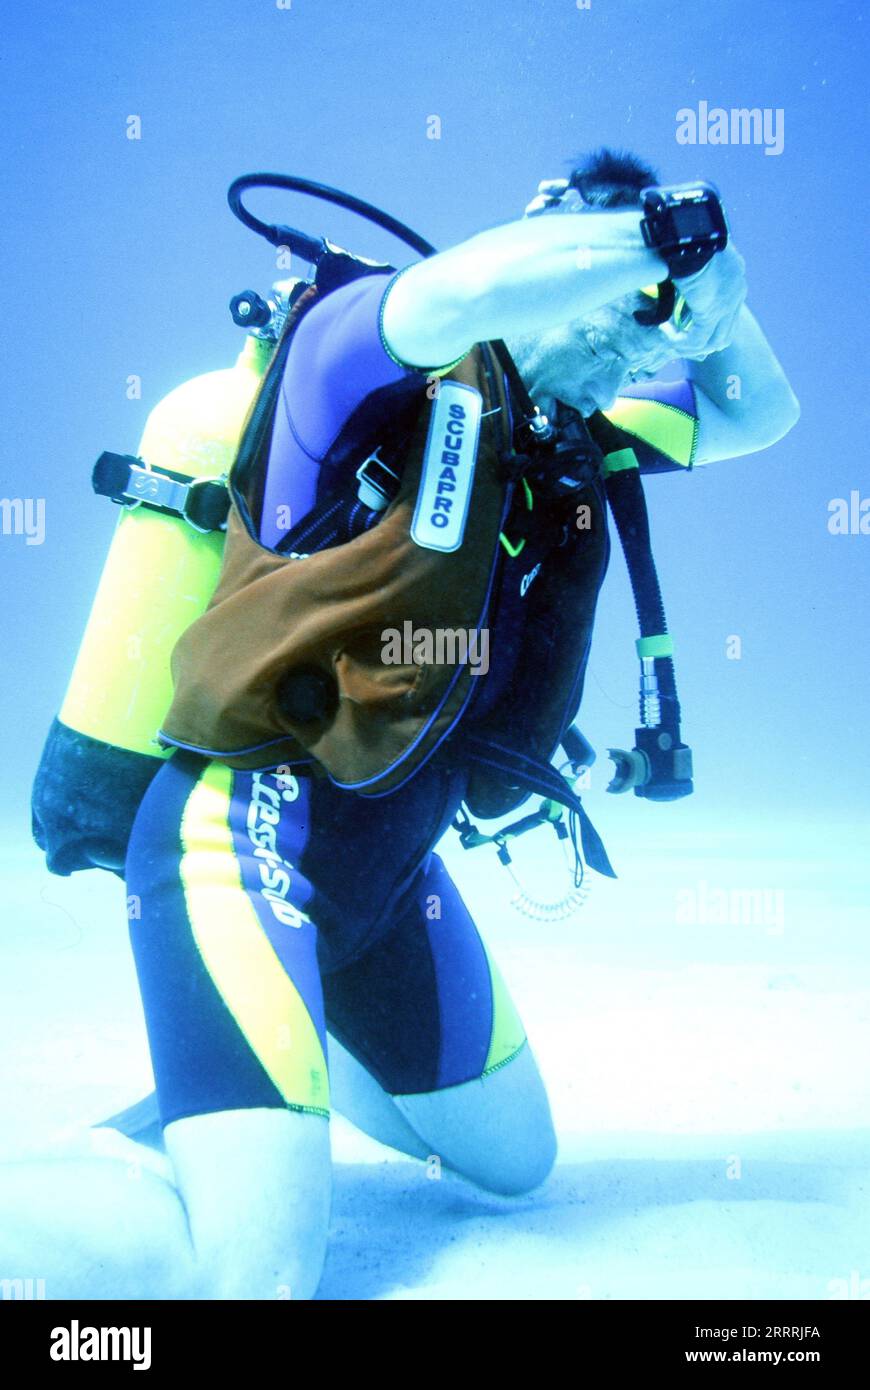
point(120, 257)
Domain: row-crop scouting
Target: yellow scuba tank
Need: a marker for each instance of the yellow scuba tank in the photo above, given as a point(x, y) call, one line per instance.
point(160, 573)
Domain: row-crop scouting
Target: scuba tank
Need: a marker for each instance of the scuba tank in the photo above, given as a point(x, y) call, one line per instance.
point(161, 570)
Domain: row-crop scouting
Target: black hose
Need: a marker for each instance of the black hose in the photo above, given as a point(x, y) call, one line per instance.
point(313, 248)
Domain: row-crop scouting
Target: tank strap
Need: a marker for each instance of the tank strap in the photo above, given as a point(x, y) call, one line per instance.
point(204, 503)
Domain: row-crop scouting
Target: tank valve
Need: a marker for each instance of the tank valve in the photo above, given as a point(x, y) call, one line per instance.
point(250, 310)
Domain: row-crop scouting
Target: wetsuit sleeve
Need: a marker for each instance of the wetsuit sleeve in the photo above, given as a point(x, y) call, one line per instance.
point(338, 358)
point(660, 421)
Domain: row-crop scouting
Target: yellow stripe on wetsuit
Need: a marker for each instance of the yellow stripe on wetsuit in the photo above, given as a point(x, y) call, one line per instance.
point(508, 1035)
point(673, 432)
point(239, 957)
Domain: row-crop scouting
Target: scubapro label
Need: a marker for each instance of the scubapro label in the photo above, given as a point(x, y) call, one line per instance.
point(448, 468)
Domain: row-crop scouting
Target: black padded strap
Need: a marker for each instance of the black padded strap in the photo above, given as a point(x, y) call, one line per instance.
point(202, 502)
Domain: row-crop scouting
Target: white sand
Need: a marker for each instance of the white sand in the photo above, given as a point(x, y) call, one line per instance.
point(709, 1080)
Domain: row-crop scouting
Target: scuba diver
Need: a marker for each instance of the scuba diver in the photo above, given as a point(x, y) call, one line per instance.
point(435, 447)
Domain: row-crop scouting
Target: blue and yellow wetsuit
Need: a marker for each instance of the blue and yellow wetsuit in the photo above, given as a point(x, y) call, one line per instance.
point(271, 908)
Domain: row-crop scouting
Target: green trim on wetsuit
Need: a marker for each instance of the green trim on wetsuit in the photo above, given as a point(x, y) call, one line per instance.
point(410, 366)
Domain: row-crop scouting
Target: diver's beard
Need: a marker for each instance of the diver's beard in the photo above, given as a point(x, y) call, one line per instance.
point(554, 371)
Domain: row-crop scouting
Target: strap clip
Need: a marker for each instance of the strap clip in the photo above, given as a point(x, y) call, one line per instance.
point(204, 503)
point(378, 483)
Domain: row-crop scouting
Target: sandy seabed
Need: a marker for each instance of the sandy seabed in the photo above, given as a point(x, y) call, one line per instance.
point(703, 1026)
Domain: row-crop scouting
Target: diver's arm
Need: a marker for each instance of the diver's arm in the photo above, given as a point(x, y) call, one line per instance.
point(522, 277)
point(744, 401)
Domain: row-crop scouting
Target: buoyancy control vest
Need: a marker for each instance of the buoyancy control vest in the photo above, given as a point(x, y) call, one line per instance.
point(319, 621)
point(307, 683)
point(306, 630)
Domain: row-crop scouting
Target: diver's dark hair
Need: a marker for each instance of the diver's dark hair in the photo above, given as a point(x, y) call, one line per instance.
point(611, 178)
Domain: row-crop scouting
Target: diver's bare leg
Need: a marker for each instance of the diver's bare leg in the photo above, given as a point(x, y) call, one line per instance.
point(496, 1131)
point(357, 1096)
point(245, 1218)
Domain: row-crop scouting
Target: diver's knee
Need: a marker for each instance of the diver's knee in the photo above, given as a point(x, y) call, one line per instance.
point(525, 1166)
point(496, 1131)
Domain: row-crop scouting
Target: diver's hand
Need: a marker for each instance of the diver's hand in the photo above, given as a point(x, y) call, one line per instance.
point(714, 298)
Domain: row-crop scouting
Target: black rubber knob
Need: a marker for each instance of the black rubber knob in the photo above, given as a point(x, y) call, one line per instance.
point(250, 310)
point(306, 694)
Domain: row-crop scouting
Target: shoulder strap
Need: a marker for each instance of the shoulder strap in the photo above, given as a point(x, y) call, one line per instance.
point(247, 480)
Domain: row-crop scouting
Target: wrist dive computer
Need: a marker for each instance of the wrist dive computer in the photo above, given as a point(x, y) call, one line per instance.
point(685, 224)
